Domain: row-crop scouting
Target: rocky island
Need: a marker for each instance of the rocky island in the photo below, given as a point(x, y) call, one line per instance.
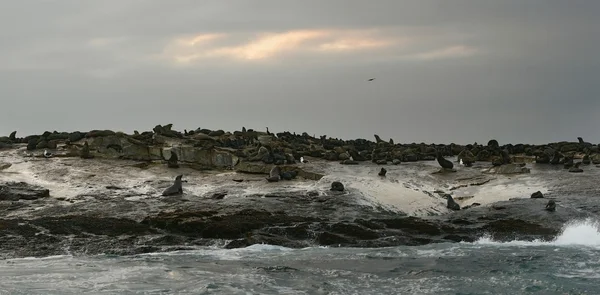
point(104, 192)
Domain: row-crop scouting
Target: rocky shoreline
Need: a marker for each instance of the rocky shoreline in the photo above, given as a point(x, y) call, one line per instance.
point(100, 191)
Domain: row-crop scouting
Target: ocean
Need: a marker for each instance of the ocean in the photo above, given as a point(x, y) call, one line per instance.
point(568, 265)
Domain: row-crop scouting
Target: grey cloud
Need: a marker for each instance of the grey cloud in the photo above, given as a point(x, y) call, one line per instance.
point(534, 78)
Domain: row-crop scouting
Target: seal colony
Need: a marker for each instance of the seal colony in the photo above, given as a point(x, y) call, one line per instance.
point(277, 188)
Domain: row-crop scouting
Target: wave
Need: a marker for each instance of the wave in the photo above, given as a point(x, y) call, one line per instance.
point(576, 233)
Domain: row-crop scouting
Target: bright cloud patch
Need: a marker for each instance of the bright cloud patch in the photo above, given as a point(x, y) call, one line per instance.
point(191, 49)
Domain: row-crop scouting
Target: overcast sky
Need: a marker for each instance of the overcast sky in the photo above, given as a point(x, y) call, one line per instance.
point(446, 70)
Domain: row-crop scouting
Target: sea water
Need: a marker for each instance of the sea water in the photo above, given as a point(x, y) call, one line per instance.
point(568, 265)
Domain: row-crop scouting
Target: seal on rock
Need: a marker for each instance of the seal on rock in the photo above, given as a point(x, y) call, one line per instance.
point(551, 206)
point(172, 162)
point(85, 151)
point(537, 195)
point(382, 172)
point(443, 162)
point(274, 174)
point(575, 168)
point(451, 204)
point(175, 189)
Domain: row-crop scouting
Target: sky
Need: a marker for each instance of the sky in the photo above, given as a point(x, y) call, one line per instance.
point(459, 71)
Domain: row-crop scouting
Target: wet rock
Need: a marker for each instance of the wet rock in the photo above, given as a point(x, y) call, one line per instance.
point(22, 191)
point(337, 186)
point(382, 172)
point(508, 169)
point(349, 162)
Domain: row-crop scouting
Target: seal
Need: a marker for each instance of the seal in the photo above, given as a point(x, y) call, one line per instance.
point(274, 174)
point(382, 172)
point(575, 168)
point(85, 151)
point(172, 162)
point(175, 189)
point(451, 204)
point(443, 162)
point(551, 206)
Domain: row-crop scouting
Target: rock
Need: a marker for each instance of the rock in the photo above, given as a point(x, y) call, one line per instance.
point(343, 156)
point(382, 172)
point(42, 145)
point(15, 191)
point(98, 133)
point(337, 186)
point(349, 162)
point(4, 166)
point(76, 136)
point(537, 195)
point(216, 133)
point(586, 159)
point(13, 136)
point(32, 144)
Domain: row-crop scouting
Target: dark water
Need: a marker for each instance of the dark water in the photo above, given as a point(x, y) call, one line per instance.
point(569, 265)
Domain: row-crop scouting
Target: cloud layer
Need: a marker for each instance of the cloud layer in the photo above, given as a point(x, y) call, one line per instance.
point(458, 71)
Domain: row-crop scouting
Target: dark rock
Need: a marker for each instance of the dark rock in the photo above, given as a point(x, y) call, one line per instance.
point(328, 239)
point(98, 133)
point(13, 136)
point(32, 144)
point(382, 172)
point(22, 191)
point(76, 136)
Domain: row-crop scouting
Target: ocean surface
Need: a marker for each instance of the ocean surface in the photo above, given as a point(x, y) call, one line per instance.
point(568, 265)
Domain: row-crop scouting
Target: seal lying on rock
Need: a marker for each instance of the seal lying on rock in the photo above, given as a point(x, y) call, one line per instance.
point(451, 204)
point(175, 189)
point(274, 174)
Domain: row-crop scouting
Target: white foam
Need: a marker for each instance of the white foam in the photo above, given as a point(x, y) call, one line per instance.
point(577, 233)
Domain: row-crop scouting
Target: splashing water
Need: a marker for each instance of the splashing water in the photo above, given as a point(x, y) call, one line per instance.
point(576, 233)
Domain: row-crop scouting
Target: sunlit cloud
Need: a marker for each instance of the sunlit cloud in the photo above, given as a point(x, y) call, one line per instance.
point(445, 53)
point(270, 45)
